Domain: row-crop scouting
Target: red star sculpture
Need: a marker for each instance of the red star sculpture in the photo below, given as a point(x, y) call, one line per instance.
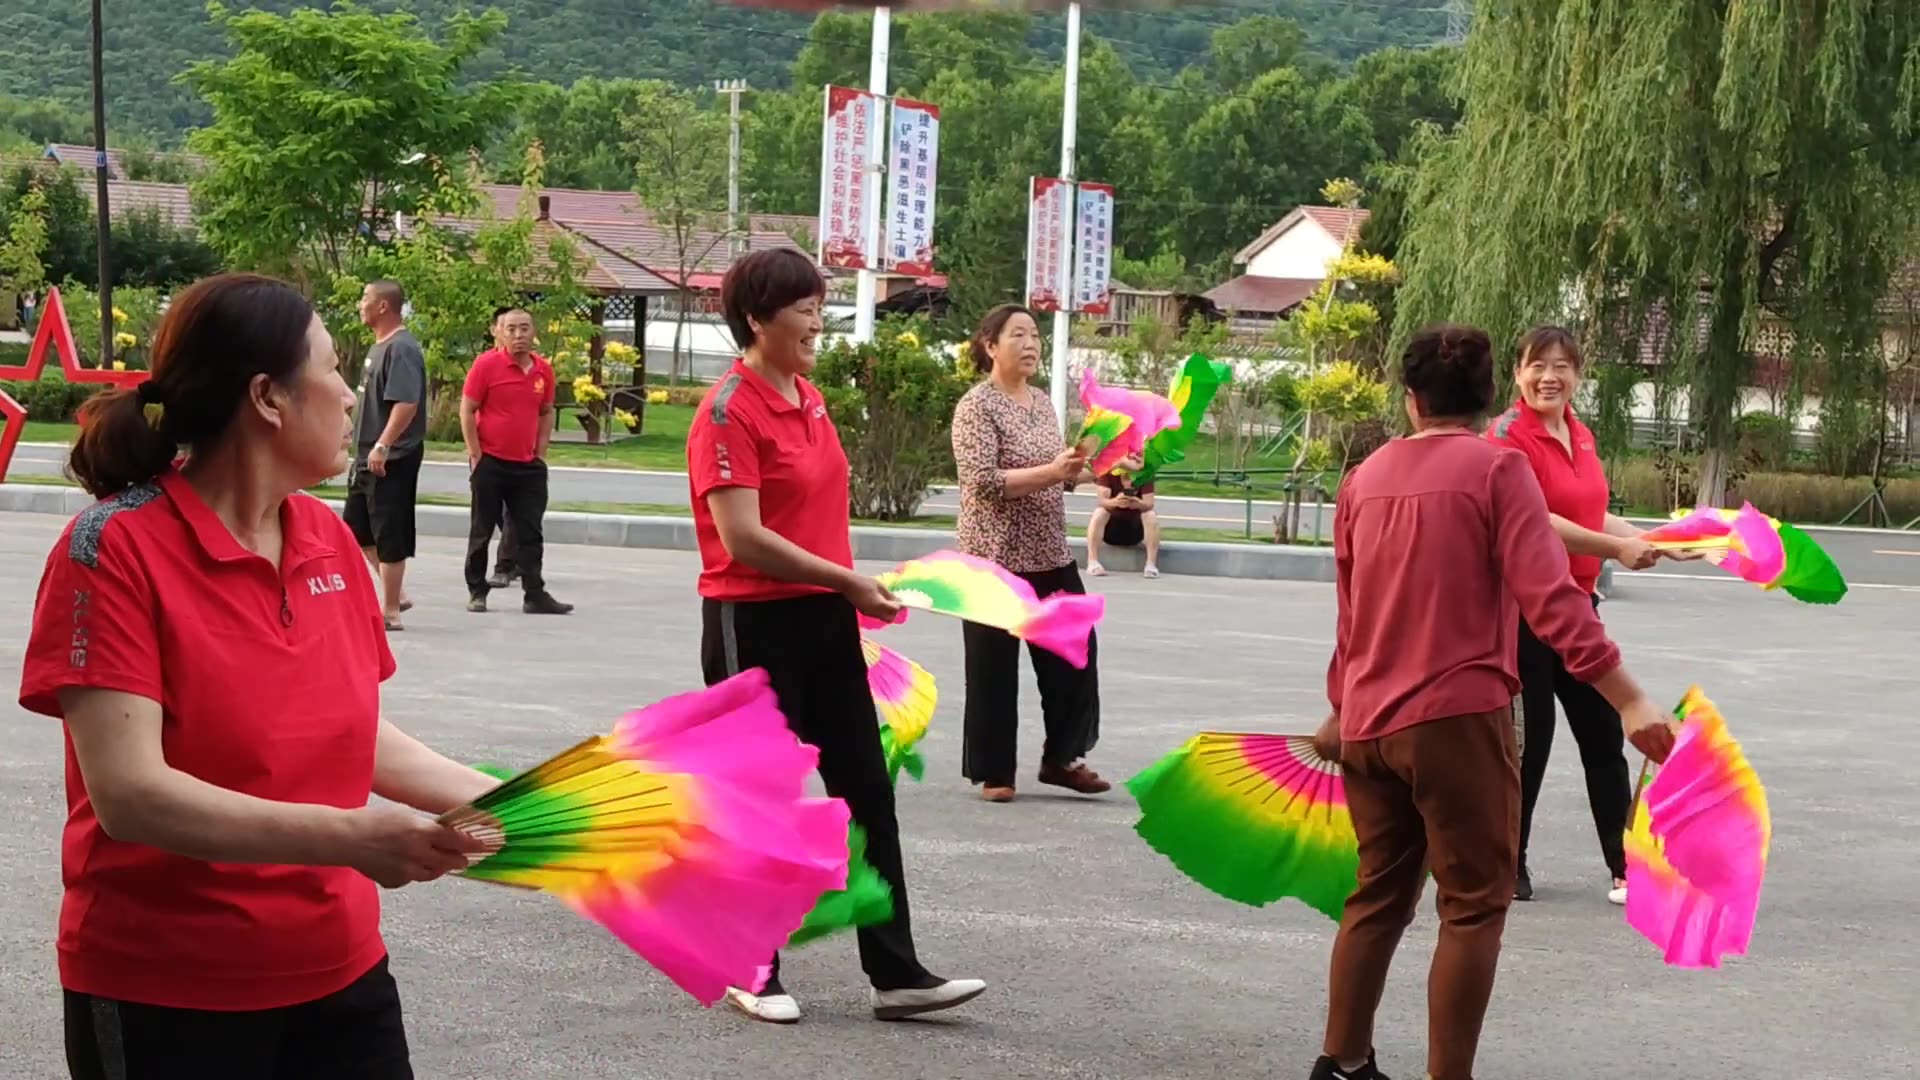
point(54, 333)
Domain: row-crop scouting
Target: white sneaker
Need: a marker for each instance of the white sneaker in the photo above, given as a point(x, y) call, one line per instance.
point(768, 1009)
point(1617, 895)
point(900, 1004)
point(1094, 569)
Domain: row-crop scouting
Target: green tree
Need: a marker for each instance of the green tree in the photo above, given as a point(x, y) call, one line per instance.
point(24, 242)
point(1639, 165)
point(327, 123)
point(680, 150)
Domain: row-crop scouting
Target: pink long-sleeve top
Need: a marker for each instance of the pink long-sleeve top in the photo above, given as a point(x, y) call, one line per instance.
point(1440, 542)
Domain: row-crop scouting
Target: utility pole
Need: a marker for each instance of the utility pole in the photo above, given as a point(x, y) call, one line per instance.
point(103, 232)
point(736, 232)
point(1459, 20)
point(868, 282)
point(1069, 124)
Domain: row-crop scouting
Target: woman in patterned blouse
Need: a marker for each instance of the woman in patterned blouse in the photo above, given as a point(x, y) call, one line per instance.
point(1015, 469)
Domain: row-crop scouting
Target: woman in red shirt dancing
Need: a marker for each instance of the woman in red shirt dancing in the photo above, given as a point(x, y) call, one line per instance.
point(1438, 537)
point(212, 640)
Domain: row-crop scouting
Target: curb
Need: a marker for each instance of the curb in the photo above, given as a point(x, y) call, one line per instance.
point(1259, 562)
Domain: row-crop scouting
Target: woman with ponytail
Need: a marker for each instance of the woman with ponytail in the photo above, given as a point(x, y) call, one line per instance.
point(213, 645)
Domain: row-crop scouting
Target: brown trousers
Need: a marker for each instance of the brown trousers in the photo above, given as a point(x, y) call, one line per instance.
point(1445, 796)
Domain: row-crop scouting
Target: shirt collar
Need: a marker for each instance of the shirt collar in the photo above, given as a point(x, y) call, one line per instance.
point(1528, 420)
point(774, 400)
point(297, 545)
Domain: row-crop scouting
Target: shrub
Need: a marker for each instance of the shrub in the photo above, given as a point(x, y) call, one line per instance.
point(1764, 441)
point(51, 398)
point(1806, 498)
point(892, 399)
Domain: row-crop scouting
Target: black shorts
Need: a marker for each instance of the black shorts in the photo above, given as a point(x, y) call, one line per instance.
point(357, 1032)
point(379, 509)
point(1124, 528)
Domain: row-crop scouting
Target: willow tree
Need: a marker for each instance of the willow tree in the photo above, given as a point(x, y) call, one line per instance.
point(1661, 173)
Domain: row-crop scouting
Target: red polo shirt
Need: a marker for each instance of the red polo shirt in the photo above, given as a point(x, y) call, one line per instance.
point(269, 684)
point(509, 402)
point(746, 435)
point(1574, 483)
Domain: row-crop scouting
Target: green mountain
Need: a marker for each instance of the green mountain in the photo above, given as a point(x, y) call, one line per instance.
point(148, 42)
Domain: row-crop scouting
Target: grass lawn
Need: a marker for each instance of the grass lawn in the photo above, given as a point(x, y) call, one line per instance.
point(662, 447)
point(931, 521)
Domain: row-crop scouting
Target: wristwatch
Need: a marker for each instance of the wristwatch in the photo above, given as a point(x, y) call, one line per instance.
point(383, 448)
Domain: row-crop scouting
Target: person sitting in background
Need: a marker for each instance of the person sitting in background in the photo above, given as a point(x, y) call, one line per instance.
point(1125, 517)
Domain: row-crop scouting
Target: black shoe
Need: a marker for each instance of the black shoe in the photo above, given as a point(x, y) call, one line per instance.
point(1522, 885)
point(1328, 1069)
point(503, 578)
point(477, 602)
point(544, 604)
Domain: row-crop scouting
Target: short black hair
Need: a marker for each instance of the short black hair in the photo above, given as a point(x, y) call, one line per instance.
point(759, 285)
point(1449, 371)
point(389, 290)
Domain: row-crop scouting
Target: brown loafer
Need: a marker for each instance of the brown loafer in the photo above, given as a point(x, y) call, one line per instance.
point(1075, 777)
point(997, 792)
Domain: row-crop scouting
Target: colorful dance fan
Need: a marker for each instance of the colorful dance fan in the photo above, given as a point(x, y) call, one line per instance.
point(982, 591)
point(1254, 818)
point(1099, 430)
point(1697, 849)
point(866, 901)
point(904, 695)
point(1757, 548)
point(1192, 393)
point(1147, 415)
point(686, 833)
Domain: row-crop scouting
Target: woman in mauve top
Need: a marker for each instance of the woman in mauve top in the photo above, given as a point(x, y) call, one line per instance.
point(768, 481)
point(211, 639)
point(1438, 538)
point(1015, 469)
point(1561, 452)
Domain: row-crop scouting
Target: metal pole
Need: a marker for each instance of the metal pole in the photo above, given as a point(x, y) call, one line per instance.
point(1069, 122)
point(867, 284)
point(737, 233)
point(103, 234)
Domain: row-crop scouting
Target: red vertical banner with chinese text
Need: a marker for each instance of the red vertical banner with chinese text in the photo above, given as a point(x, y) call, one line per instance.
point(1093, 250)
point(912, 175)
point(847, 185)
point(1046, 251)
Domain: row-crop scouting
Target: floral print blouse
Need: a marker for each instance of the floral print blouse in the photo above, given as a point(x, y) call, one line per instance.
point(993, 433)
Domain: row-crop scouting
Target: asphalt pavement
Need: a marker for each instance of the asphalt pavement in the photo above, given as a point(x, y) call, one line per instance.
point(1104, 962)
point(1867, 556)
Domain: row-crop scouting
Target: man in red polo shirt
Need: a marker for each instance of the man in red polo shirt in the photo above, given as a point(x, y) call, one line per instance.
point(506, 418)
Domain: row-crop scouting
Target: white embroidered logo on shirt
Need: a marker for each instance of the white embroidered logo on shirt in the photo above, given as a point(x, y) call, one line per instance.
point(329, 583)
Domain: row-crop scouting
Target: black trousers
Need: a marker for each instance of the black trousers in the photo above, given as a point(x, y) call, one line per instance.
point(503, 559)
point(1596, 730)
point(358, 1032)
point(1069, 696)
point(810, 648)
point(511, 491)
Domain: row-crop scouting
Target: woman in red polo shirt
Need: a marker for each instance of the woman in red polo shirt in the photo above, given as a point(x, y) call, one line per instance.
point(1561, 452)
point(768, 480)
point(212, 641)
point(1437, 538)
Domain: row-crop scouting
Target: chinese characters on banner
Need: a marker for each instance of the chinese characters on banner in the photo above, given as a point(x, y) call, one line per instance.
point(913, 168)
point(1046, 212)
point(847, 187)
point(1093, 250)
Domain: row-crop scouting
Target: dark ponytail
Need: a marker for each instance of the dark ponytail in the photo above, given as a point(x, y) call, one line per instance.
point(215, 337)
point(989, 332)
point(1449, 371)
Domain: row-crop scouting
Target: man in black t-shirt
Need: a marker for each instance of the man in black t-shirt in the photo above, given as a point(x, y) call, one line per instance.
point(1124, 518)
point(390, 431)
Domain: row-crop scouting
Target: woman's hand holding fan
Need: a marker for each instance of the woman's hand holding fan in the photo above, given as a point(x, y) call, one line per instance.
point(395, 846)
point(1649, 728)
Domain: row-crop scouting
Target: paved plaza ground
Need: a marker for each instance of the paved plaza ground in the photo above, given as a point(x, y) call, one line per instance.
point(1103, 960)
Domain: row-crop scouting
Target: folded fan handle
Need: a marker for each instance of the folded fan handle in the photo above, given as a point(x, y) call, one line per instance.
point(1640, 785)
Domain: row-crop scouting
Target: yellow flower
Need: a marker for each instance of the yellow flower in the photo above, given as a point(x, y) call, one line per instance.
point(910, 340)
point(124, 340)
point(627, 419)
point(656, 397)
point(620, 351)
point(119, 365)
point(119, 316)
